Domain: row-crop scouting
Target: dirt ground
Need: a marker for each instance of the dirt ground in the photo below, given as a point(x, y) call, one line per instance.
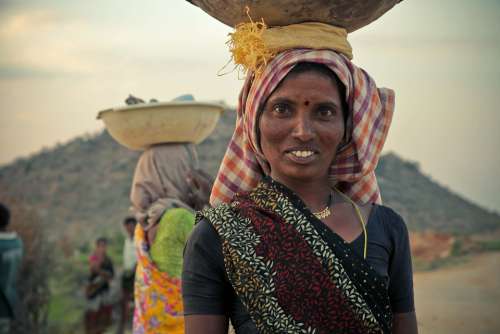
point(461, 299)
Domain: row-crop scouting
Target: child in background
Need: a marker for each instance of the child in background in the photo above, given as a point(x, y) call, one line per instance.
point(99, 308)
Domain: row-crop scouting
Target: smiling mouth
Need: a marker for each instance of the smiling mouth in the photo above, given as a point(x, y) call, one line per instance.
point(303, 156)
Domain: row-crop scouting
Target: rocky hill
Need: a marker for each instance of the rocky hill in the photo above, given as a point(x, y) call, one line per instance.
point(83, 186)
point(427, 205)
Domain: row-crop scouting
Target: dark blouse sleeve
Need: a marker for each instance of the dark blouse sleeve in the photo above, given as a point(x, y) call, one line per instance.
point(203, 277)
point(400, 267)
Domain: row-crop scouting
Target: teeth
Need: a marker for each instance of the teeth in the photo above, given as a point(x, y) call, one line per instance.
point(302, 154)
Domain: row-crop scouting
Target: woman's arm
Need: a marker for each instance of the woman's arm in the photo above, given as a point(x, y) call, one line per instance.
point(204, 286)
point(205, 324)
point(404, 323)
point(401, 278)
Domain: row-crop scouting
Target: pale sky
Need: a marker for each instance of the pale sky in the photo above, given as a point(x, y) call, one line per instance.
point(63, 61)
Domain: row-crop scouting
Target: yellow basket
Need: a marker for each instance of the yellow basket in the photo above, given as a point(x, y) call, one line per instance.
point(141, 125)
point(348, 14)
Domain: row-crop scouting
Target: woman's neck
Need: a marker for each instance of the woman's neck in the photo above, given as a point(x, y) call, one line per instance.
point(314, 193)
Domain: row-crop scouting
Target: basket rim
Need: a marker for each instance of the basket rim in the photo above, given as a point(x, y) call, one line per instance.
point(154, 105)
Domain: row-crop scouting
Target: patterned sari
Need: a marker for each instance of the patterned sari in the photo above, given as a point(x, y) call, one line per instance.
point(157, 295)
point(292, 273)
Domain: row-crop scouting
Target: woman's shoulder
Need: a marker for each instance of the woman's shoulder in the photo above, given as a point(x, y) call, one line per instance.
point(219, 216)
point(208, 219)
point(203, 248)
point(392, 221)
point(203, 231)
point(218, 210)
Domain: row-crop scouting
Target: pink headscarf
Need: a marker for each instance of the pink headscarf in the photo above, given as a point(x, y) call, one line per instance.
point(370, 109)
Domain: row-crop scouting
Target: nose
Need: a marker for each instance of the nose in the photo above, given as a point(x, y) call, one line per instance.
point(303, 128)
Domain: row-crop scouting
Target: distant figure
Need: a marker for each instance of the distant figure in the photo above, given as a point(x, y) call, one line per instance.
point(131, 99)
point(166, 189)
point(128, 275)
point(11, 253)
point(99, 308)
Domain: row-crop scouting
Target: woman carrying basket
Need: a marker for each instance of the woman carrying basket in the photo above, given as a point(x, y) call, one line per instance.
point(166, 189)
point(297, 240)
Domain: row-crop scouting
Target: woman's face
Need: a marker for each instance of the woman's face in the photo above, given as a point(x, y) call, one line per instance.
point(301, 127)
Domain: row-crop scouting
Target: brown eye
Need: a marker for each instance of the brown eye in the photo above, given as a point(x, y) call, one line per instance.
point(280, 109)
point(326, 112)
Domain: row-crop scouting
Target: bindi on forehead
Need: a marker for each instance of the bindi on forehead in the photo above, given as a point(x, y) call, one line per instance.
point(306, 103)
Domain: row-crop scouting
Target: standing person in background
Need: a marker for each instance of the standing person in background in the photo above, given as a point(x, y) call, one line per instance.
point(166, 189)
point(128, 275)
point(11, 253)
point(99, 308)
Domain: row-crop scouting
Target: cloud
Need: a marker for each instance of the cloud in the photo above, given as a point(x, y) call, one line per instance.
point(57, 41)
point(40, 42)
point(20, 23)
point(17, 72)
